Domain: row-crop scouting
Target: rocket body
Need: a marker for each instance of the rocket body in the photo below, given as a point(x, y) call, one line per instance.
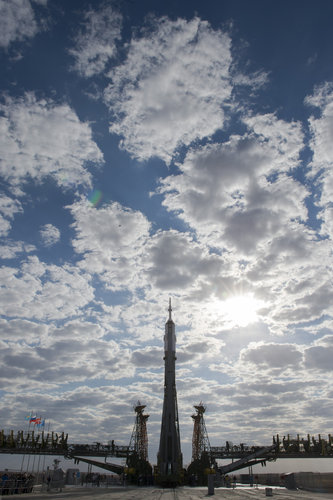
point(169, 455)
point(170, 338)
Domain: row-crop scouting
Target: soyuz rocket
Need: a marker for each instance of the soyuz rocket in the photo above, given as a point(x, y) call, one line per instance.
point(169, 457)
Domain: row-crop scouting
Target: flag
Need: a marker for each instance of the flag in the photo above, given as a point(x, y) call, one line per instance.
point(37, 421)
point(29, 417)
point(41, 424)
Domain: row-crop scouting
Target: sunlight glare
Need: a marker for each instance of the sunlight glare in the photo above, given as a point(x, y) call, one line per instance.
point(240, 310)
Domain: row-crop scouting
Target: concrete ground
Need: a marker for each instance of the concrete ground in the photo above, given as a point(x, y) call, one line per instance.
point(182, 493)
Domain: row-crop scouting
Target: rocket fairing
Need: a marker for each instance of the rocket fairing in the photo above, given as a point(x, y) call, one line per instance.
point(170, 336)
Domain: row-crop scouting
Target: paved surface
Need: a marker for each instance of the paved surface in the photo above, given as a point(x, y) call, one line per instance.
point(152, 493)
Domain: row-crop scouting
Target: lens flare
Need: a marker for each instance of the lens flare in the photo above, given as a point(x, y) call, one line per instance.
point(95, 197)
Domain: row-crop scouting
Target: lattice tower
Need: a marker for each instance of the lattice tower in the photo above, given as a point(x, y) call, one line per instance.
point(200, 441)
point(139, 438)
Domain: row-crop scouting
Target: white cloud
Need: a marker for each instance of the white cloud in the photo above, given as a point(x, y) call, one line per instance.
point(12, 248)
point(78, 330)
point(22, 330)
point(40, 138)
point(149, 357)
point(84, 359)
point(227, 191)
point(95, 44)
point(171, 88)
point(241, 199)
point(50, 234)
point(272, 356)
point(8, 208)
point(4, 226)
point(320, 328)
point(17, 21)
point(292, 279)
point(36, 290)
point(273, 363)
point(280, 140)
point(111, 239)
point(321, 94)
point(112, 229)
point(174, 262)
point(326, 216)
point(321, 129)
point(319, 356)
point(43, 355)
point(314, 303)
point(269, 212)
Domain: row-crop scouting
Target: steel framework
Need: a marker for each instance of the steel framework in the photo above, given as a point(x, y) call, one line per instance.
point(139, 438)
point(200, 440)
point(33, 442)
point(287, 447)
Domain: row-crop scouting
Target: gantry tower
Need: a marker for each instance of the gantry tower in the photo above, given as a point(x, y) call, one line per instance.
point(139, 439)
point(202, 459)
point(200, 440)
point(169, 458)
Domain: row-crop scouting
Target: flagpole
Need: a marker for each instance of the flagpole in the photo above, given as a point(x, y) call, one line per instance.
point(39, 455)
point(44, 455)
point(27, 443)
point(30, 416)
point(33, 419)
point(34, 442)
point(34, 446)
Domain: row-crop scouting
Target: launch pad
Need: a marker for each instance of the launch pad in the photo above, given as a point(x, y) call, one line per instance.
point(169, 470)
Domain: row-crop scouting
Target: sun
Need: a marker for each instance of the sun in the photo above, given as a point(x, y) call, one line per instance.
point(241, 310)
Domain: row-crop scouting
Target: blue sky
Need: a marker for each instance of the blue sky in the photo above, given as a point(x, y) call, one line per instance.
point(153, 150)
